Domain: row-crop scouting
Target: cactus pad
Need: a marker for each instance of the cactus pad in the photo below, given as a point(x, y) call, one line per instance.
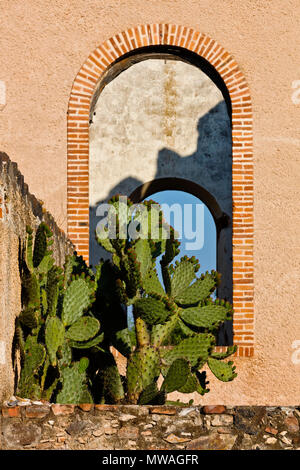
point(40, 245)
point(185, 329)
point(183, 275)
point(54, 337)
point(65, 355)
point(191, 384)
point(143, 253)
point(160, 333)
point(83, 364)
point(34, 357)
point(104, 241)
point(199, 290)
point(192, 349)
point(224, 371)
point(152, 284)
point(76, 301)
point(83, 329)
point(29, 317)
point(208, 316)
point(87, 344)
point(73, 385)
point(112, 388)
point(152, 396)
point(52, 291)
point(142, 369)
point(177, 375)
point(152, 311)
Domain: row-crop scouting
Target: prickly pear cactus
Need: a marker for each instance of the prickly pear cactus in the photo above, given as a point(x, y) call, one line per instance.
point(183, 303)
point(68, 359)
point(54, 337)
point(56, 319)
point(74, 384)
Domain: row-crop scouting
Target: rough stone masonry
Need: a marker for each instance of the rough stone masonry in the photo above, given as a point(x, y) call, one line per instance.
point(40, 425)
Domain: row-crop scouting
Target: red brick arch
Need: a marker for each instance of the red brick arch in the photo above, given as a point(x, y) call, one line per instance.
point(81, 97)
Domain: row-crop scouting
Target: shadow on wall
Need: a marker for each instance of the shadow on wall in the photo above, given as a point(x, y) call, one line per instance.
point(210, 166)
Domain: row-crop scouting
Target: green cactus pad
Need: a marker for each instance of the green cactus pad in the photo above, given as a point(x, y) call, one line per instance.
point(160, 333)
point(152, 284)
point(52, 290)
point(152, 311)
point(68, 268)
point(34, 356)
point(111, 381)
point(102, 239)
point(40, 245)
point(208, 316)
point(54, 337)
point(76, 301)
point(152, 396)
point(224, 371)
point(29, 318)
point(87, 344)
point(192, 349)
point(171, 249)
point(73, 385)
point(185, 329)
point(65, 355)
point(29, 387)
point(143, 254)
point(31, 291)
point(86, 397)
point(83, 364)
point(131, 273)
point(165, 271)
point(199, 290)
point(29, 249)
point(44, 303)
point(191, 384)
point(142, 370)
point(184, 274)
point(83, 329)
point(195, 383)
point(46, 263)
point(177, 375)
point(148, 394)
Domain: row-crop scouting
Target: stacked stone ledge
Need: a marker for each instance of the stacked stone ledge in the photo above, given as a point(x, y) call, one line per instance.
point(41, 425)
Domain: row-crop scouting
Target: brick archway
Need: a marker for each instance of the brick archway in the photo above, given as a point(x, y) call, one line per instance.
point(81, 97)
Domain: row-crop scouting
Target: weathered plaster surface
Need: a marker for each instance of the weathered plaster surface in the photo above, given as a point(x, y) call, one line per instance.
point(42, 50)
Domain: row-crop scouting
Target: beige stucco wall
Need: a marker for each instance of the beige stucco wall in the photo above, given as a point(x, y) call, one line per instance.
point(41, 50)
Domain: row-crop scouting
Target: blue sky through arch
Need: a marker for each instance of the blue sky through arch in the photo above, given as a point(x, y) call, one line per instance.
point(207, 254)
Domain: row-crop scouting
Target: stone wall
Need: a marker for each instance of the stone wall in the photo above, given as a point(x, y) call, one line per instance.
point(18, 208)
point(102, 427)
